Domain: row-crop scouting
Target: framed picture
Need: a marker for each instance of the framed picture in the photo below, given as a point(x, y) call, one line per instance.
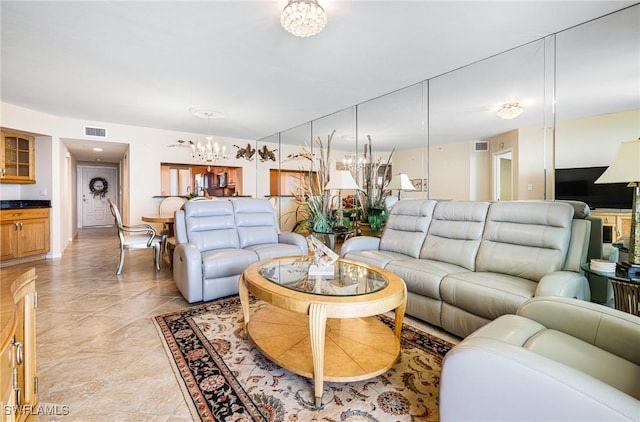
point(417, 183)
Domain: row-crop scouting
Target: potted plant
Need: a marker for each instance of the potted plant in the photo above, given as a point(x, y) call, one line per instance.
point(375, 174)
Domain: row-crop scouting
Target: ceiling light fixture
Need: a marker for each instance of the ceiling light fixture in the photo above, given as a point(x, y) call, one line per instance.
point(510, 111)
point(303, 18)
point(208, 153)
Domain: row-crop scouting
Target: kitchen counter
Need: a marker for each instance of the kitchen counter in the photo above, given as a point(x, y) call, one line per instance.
point(14, 204)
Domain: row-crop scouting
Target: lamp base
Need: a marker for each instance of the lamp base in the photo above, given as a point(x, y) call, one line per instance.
point(634, 238)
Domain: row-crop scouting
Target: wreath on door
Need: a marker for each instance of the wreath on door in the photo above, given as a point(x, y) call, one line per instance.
point(99, 187)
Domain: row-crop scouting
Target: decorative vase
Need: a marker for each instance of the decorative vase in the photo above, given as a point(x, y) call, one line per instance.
point(377, 217)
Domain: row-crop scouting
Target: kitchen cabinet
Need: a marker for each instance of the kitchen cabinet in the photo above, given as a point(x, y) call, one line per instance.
point(24, 232)
point(18, 377)
point(17, 158)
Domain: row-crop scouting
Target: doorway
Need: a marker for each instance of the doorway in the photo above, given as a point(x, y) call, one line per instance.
point(503, 176)
point(97, 184)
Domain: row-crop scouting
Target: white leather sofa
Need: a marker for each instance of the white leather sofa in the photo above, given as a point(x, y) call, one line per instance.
point(557, 359)
point(217, 239)
point(465, 263)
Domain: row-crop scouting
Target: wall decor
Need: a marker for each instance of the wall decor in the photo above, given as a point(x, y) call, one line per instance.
point(246, 152)
point(265, 154)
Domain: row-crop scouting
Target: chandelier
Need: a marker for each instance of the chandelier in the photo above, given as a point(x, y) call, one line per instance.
point(303, 18)
point(208, 153)
point(510, 111)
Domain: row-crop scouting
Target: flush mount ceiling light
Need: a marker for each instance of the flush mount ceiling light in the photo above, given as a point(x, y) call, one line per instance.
point(510, 111)
point(303, 18)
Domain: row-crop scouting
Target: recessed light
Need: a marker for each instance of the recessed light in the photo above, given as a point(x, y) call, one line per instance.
point(97, 149)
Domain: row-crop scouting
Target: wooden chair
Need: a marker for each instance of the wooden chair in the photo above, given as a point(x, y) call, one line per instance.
point(140, 236)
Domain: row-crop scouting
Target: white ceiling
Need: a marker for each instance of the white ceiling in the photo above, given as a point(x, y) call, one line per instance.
point(147, 63)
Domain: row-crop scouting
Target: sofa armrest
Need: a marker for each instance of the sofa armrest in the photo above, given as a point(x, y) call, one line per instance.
point(487, 379)
point(295, 239)
point(360, 243)
point(609, 329)
point(564, 284)
point(187, 271)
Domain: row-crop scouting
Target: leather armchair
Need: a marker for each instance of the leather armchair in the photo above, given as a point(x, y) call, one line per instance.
point(556, 359)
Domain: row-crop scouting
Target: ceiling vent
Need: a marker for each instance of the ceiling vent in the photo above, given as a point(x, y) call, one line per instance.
point(95, 132)
point(481, 146)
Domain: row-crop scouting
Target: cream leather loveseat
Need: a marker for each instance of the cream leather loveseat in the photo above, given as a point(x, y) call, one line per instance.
point(217, 240)
point(557, 359)
point(465, 263)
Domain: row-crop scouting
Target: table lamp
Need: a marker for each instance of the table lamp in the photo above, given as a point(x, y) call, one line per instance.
point(400, 182)
point(341, 180)
point(626, 169)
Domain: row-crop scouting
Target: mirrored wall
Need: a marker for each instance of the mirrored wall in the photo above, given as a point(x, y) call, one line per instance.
point(579, 96)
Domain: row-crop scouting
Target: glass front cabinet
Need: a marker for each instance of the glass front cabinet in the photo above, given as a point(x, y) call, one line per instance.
point(17, 158)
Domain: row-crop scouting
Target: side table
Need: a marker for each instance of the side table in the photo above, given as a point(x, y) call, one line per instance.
point(626, 290)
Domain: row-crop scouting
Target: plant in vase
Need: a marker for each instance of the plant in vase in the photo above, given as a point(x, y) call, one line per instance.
point(310, 195)
point(373, 207)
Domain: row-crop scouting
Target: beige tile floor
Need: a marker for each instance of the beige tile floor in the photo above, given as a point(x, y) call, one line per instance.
point(98, 353)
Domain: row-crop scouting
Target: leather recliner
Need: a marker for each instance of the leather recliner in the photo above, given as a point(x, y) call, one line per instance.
point(217, 240)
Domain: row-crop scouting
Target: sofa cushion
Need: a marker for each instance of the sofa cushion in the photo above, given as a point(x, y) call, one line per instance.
point(488, 295)
point(406, 227)
point(256, 222)
point(527, 239)
point(274, 250)
point(226, 262)
point(210, 224)
point(455, 232)
point(423, 276)
point(373, 257)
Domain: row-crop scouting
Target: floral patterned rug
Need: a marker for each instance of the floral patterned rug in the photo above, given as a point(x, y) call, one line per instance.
point(225, 378)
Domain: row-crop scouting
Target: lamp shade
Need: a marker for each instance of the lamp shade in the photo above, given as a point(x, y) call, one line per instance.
point(340, 180)
point(626, 165)
point(400, 181)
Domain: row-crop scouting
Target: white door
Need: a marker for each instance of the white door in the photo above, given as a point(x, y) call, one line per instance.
point(98, 184)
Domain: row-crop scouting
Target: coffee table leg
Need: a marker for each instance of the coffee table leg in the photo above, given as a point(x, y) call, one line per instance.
point(244, 301)
point(400, 315)
point(317, 328)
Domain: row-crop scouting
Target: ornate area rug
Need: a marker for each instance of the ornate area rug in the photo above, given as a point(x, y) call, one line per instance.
point(225, 378)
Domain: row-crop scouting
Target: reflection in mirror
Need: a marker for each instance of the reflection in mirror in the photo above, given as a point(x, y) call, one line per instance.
point(200, 180)
point(598, 101)
point(396, 120)
point(466, 133)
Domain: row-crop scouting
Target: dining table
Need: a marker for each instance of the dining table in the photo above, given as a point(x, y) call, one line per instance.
point(168, 221)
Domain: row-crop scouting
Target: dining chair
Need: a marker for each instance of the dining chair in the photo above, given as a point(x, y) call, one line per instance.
point(139, 236)
point(169, 206)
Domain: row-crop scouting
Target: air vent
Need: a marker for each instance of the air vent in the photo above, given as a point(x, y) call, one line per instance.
point(481, 146)
point(95, 132)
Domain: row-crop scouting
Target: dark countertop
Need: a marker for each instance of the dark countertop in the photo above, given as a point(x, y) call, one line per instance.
point(13, 204)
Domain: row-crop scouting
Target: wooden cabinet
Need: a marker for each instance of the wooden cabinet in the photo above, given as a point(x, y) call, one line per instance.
point(18, 379)
point(24, 232)
point(614, 225)
point(17, 158)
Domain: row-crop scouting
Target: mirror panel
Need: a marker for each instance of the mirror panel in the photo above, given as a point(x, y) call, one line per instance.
point(469, 143)
point(396, 121)
point(598, 89)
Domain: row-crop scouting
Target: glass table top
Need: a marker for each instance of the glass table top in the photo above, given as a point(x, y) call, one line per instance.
point(618, 275)
point(349, 279)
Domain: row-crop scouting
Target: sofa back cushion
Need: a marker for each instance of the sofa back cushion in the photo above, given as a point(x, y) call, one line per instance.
point(407, 226)
point(455, 232)
point(210, 225)
point(256, 221)
point(527, 239)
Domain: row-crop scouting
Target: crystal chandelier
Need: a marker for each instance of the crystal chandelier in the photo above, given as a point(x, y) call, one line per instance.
point(208, 153)
point(510, 111)
point(303, 18)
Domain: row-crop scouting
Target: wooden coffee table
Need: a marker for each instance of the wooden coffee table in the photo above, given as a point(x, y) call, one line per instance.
point(320, 328)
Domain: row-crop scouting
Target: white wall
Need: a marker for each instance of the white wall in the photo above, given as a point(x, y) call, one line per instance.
point(147, 149)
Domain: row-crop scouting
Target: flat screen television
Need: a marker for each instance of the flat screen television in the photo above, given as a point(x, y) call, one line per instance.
point(578, 184)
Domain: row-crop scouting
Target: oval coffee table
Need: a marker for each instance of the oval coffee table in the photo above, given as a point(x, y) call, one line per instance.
point(321, 328)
